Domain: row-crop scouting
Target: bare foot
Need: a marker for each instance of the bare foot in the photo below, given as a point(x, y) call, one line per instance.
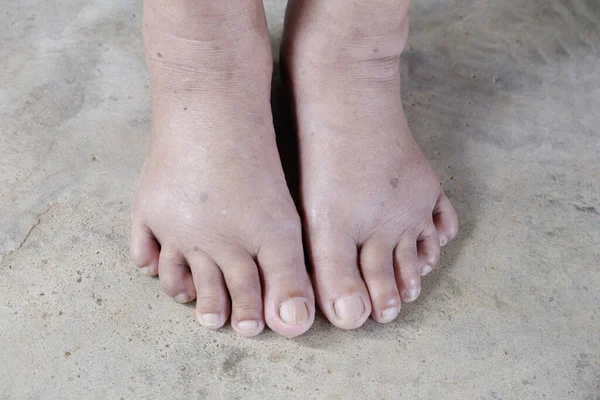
point(374, 211)
point(212, 215)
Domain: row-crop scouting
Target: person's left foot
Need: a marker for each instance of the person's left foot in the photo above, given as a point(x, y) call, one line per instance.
point(374, 211)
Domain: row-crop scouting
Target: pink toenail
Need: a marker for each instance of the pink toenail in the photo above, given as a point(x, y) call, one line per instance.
point(209, 320)
point(389, 314)
point(411, 294)
point(182, 298)
point(425, 269)
point(247, 326)
point(349, 309)
point(294, 311)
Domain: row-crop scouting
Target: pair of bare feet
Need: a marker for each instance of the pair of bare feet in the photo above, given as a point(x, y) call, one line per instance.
point(213, 216)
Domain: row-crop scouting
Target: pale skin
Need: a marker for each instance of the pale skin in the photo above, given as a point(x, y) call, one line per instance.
point(213, 216)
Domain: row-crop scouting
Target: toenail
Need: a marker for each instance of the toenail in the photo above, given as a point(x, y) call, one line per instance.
point(389, 314)
point(182, 298)
point(247, 326)
point(443, 241)
point(209, 320)
point(425, 269)
point(411, 294)
point(349, 309)
point(294, 311)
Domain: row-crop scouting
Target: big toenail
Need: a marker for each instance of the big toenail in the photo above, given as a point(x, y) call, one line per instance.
point(389, 314)
point(209, 320)
point(182, 298)
point(349, 309)
point(411, 294)
point(425, 269)
point(247, 326)
point(294, 311)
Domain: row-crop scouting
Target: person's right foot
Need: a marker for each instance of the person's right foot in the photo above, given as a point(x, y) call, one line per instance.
point(212, 214)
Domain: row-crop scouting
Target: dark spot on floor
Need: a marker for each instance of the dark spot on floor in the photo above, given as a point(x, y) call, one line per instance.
point(586, 209)
point(233, 359)
point(159, 55)
point(56, 101)
point(394, 182)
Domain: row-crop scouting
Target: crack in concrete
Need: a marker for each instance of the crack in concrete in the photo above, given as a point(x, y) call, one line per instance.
point(38, 221)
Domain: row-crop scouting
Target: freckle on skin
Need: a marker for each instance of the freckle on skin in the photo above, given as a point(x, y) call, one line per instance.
point(394, 183)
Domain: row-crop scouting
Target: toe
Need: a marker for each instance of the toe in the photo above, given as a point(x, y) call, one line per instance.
point(243, 282)
point(339, 287)
point(175, 277)
point(212, 301)
point(428, 248)
point(445, 219)
point(144, 249)
point(288, 296)
point(377, 266)
point(407, 269)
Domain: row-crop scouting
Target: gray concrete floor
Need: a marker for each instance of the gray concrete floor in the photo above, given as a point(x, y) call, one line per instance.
point(503, 96)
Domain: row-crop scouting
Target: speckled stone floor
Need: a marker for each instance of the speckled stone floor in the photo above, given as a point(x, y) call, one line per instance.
point(504, 98)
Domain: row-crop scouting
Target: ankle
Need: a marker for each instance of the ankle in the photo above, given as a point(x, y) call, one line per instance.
point(346, 32)
point(198, 45)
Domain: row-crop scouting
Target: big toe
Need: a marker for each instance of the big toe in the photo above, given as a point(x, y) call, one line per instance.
point(339, 287)
point(288, 296)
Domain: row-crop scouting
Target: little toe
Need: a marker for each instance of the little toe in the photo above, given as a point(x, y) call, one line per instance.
point(288, 296)
point(144, 249)
point(408, 269)
point(175, 277)
point(243, 282)
point(339, 287)
point(428, 248)
point(377, 266)
point(445, 219)
point(212, 300)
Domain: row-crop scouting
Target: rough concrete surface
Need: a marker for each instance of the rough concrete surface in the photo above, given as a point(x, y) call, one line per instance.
point(503, 96)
